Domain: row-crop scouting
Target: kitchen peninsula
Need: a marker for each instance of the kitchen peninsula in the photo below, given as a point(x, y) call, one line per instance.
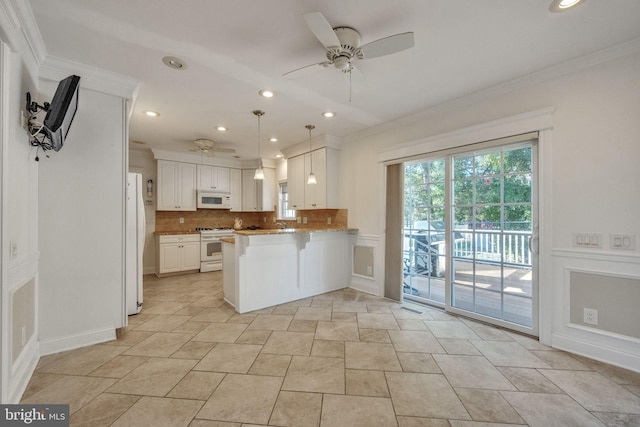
point(262, 268)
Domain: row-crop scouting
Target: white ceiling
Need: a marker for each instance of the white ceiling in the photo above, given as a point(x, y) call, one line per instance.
point(235, 48)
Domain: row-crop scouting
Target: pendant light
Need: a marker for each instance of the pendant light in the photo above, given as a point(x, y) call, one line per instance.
point(259, 172)
point(312, 176)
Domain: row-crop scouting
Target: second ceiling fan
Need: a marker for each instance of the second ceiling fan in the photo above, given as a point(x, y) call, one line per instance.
point(343, 46)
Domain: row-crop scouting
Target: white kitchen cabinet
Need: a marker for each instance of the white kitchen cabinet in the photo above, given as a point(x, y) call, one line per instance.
point(178, 253)
point(258, 194)
point(214, 178)
point(296, 182)
point(235, 188)
point(176, 186)
point(324, 194)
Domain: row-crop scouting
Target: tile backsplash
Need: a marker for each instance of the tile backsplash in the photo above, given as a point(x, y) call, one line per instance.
point(217, 218)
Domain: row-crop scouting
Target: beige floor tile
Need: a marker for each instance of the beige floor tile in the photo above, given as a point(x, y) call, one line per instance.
point(344, 317)
point(285, 310)
point(254, 337)
point(289, 343)
point(509, 354)
point(73, 390)
point(296, 409)
point(472, 372)
point(103, 410)
point(221, 332)
point(195, 350)
point(529, 380)
point(38, 381)
point(560, 360)
point(458, 423)
point(415, 342)
point(191, 327)
point(399, 313)
point(270, 364)
point(544, 410)
point(418, 362)
point(160, 412)
point(411, 325)
point(349, 307)
point(377, 321)
point(209, 423)
point(337, 331)
point(160, 344)
point(119, 366)
point(155, 377)
point(215, 315)
point(163, 323)
point(488, 406)
point(303, 326)
point(196, 385)
point(235, 358)
point(243, 399)
point(140, 318)
point(373, 356)
point(424, 395)
point(208, 301)
point(528, 342)
point(428, 422)
point(271, 322)
point(614, 373)
point(315, 374)
point(321, 303)
point(378, 308)
point(131, 337)
point(450, 329)
point(313, 313)
point(163, 307)
point(486, 332)
point(594, 391)
point(357, 411)
point(242, 318)
point(366, 383)
point(618, 420)
point(327, 348)
point(635, 389)
point(458, 346)
point(83, 360)
point(374, 335)
point(190, 310)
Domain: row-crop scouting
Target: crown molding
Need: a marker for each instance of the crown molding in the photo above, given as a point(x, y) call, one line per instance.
point(628, 48)
point(56, 69)
point(16, 19)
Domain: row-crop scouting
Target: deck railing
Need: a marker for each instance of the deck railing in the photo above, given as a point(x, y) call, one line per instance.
point(489, 245)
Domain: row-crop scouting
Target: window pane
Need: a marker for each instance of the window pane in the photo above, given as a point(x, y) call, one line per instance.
point(518, 160)
point(488, 164)
point(488, 190)
point(517, 188)
point(463, 192)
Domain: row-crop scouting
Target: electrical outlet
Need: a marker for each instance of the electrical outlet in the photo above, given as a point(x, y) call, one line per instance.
point(298, 220)
point(328, 220)
point(304, 219)
point(369, 270)
point(264, 219)
point(181, 220)
point(591, 316)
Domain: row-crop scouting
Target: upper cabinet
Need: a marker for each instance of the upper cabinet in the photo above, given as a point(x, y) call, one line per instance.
point(324, 194)
point(214, 178)
point(235, 188)
point(258, 194)
point(176, 186)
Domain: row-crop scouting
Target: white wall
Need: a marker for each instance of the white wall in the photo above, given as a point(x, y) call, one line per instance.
point(19, 217)
point(590, 169)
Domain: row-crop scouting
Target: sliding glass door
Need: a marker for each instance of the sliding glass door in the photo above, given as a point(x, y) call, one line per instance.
point(469, 237)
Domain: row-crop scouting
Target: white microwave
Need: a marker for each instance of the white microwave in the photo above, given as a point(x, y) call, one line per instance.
point(213, 200)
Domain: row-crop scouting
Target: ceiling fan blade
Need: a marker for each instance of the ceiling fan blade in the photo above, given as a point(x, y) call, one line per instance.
point(306, 70)
point(388, 45)
point(321, 28)
point(223, 150)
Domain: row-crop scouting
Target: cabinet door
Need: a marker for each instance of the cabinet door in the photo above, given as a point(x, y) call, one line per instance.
point(221, 179)
point(187, 189)
point(167, 186)
point(169, 257)
point(296, 182)
point(235, 188)
point(190, 254)
point(268, 191)
point(315, 195)
point(206, 178)
point(249, 199)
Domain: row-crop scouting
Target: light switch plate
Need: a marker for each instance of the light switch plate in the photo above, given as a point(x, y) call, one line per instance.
point(622, 241)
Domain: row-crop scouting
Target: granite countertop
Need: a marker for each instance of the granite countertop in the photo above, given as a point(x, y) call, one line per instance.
point(290, 231)
point(171, 233)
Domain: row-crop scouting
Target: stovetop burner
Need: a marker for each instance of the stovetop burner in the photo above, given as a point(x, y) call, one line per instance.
point(213, 229)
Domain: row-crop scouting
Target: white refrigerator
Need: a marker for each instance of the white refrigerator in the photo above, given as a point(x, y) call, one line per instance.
point(134, 244)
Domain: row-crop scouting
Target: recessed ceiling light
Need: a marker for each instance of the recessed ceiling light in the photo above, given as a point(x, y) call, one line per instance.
point(328, 114)
point(222, 128)
point(278, 156)
point(273, 139)
point(562, 5)
point(152, 113)
point(174, 63)
point(266, 93)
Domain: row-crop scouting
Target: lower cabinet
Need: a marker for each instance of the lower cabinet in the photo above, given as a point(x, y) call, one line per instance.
point(177, 253)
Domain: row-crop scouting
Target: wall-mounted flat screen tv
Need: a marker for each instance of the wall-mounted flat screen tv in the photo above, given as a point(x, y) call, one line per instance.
point(61, 111)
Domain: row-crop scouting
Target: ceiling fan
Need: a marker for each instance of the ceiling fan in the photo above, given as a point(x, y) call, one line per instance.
point(208, 146)
point(343, 46)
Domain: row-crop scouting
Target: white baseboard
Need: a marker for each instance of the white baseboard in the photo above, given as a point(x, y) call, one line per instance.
point(364, 285)
point(22, 370)
point(608, 355)
point(71, 342)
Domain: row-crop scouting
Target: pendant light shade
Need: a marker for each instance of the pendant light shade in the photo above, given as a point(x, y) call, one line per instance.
point(259, 171)
point(312, 177)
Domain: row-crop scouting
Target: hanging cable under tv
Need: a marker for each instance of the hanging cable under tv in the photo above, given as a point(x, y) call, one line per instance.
point(51, 133)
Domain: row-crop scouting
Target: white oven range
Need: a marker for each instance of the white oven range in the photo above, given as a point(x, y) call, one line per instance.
point(211, 247)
